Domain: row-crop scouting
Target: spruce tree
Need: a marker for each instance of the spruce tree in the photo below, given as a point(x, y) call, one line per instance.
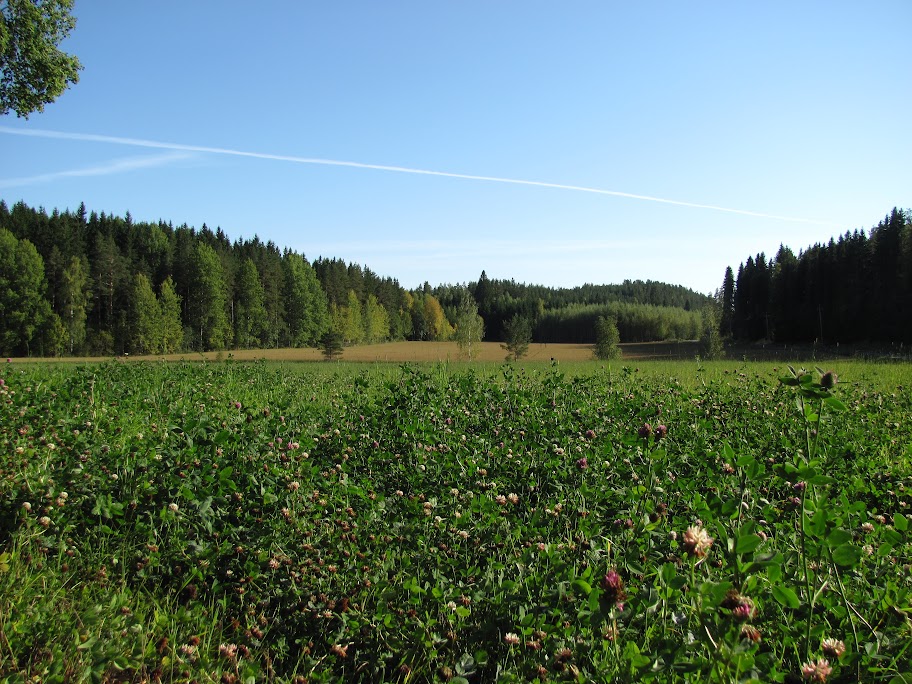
point(518, 331)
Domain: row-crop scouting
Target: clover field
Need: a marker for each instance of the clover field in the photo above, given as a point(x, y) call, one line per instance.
point(242, 522)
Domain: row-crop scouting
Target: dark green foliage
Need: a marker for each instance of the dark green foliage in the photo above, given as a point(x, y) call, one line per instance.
point(33, 70)
point(856, 288)
point(24, 310)
point(518, 332)
point(646, 311)
point(267, 521)
point(332, 344)
point(607, 339)
point(250, 322)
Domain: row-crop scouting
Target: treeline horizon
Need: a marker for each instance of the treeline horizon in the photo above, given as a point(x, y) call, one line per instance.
point(856, 288)
point(83, 283)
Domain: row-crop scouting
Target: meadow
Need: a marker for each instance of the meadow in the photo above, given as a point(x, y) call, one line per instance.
point(243, 521)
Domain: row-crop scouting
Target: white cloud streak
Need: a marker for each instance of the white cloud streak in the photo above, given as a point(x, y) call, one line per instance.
point(138, 142)
point(109, 168)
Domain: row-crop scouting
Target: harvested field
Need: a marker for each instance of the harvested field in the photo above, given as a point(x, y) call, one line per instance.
point(403, 352)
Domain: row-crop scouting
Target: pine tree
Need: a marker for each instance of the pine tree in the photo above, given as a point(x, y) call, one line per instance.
point(518, 332)
point(331, 344)
point(728, 303)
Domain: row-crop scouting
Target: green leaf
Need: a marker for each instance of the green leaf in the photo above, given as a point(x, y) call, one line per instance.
point(807, 472)
point(847, 555)
point(747, 543)
point(583, 586)
point(745, 460)
point(837, 538)
point(892, 536)
point(900, 522)
point(785, 596)
point(834, 403)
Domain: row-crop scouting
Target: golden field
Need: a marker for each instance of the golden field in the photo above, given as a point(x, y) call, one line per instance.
point(433, 352)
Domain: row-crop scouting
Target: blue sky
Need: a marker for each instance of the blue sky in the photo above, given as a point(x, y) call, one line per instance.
point(793, 115)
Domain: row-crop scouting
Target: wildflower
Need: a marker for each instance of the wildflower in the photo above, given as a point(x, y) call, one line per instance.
point(44, 521)
point(340, 651)
point(833, 648)
point(26, 506)
point(867, 527)
point(645, 431)
point(829, 380)
point(660, 431)
point(237, 405)
point(742, 608)
point(501, 500)
point(513, 498)
point(582, 463)
point(613, 587)
point(697, 541)
point(799, 486)
point(273, 563)
point(750, 633)
point(228, 651)
point(511, 639)
point(173, 507)
point(816, 671)
point(590, 434)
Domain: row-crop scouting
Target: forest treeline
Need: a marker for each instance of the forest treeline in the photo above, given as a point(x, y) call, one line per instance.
point(857, 288)
point(76, 283)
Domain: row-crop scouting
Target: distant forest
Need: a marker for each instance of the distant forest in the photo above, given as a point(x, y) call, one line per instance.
point(857, 288)
point(80, 283)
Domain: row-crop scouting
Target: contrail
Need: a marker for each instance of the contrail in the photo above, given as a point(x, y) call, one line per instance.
point(138, 142)
point(110, 168)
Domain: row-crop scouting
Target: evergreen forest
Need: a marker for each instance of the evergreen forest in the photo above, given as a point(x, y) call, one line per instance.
point(854, 289)
point(83, 283)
